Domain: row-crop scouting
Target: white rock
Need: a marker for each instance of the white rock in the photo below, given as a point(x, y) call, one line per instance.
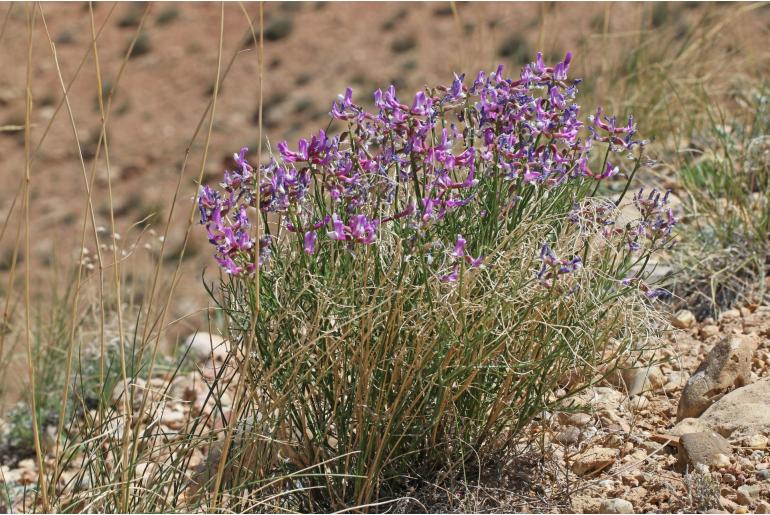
point(757, 441)
point(709, 330)
point(675, 381)
point(204, 345)
point(10, 475)
point(28, 463)
point(607, 484)
point(616, 506)
point(145, 471)
point(689, 425)
point(642, 379)
point(720, 460)
point(137, 386)
point(579, 419)
point(743, 496)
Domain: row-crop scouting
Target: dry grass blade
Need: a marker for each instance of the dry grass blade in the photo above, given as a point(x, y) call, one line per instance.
point(30, 15)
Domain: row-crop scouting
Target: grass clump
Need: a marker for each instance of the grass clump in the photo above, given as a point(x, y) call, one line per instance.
point(437, 271)
point(726, 173)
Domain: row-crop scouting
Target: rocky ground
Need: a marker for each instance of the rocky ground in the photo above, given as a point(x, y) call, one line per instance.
point(688, 433)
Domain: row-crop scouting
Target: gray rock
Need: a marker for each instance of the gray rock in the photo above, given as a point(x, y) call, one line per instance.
point(701, 448)
point(742, 413)
point(616, 506)
point(570, 435)
point(745, 494)
point(727, 365)
point(579, 419)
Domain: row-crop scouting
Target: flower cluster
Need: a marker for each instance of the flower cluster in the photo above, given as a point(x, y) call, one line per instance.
point(406, 167)
point(656, 223)
point(646, 289)
point(552, 267)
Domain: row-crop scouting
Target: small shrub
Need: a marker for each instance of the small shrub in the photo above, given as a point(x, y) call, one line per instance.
point(409, 65)
point(515, 48)
point(702, 490)
point(404, 44)
point(392, 22)
point(302, 105)
point(130, 18)
point(142, 46)
point(65, 37)
point(292, 7)
point(168, 15)
point(725, 246)
point(660, 14)
point(278, 28)
point(303, 78)
point(444, 9)
point(106, 90)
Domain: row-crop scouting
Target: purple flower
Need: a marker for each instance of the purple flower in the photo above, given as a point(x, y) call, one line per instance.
point(648, 291)
point(451, 277)
point(341, 110)
point(474, 262)
point(338, 229)
point(459, 250)
point(229, 265)
point(553, 267)
point(362, 230)
point(310, 239)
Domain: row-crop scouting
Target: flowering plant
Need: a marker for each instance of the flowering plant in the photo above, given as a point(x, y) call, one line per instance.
point(435, 270)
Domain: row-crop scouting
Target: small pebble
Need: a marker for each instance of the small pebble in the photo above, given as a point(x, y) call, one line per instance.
point(720, 461)
point(683, 319)
point(607, 484)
